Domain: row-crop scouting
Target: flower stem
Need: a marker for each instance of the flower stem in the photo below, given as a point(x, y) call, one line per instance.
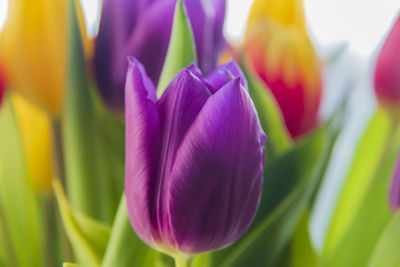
point(57, 242)
point(58, 151)
point(183, 261)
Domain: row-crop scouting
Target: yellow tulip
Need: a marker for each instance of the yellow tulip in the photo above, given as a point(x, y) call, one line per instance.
point(280, 51)
point(34, 46)
point(35, 130)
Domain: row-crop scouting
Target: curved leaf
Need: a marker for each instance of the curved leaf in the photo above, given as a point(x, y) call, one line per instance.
point(19, 205)
point(365, 162)
point(85, 182)
point(386, 252)
point(125, 248)
point(88, 237)
point(181, 51)
point(372, 215)
point(302, 251)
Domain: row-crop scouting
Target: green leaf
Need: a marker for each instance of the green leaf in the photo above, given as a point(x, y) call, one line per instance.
point(89, 238)
point(271, 118)
point(68, 264)
point(20, 209)
point(87, 189)
point(372, 215)
point(363, 169)
point(386, 252)
point(302, 251)
point(289, 184)
point(125, 247)
point(202, 260)
point(110, 134)
point(181, 50)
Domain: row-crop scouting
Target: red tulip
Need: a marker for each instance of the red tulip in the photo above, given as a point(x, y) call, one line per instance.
point(279, 50)
point(387, 72)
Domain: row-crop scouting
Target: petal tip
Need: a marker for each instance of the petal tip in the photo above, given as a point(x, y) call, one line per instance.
point(132, 60)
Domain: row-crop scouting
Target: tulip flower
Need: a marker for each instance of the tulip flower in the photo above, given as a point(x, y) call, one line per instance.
point(394, 194)
point(194, 159)
point(2, 84)
point(280, 52)
point(387, 72)
point(34, 44)
point(35, 130)
point(142, 29)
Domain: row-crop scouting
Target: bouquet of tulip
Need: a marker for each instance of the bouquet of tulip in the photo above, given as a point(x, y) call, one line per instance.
point(160, 144)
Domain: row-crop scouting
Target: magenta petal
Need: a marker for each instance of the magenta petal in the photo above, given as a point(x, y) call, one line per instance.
point(149, 42)
point(118, 20)
point(216, 181)
point(224, 73)
point(207, 18)
point(178, 107)
point(394, 194)
point(197, 72)
point(142, 151)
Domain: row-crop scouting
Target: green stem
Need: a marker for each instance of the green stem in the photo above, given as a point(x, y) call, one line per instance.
point(182, 261)
point(124, 245)
point(56, 240)
point(50, 230)
point(58, 151)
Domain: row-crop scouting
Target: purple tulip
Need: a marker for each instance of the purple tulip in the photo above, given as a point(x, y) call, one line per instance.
point(394, 194)
point(142, 29)
point(194, 159)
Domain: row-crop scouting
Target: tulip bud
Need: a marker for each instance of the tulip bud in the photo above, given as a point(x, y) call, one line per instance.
point(142, 29)
point(194, 159)
point(34, 44)
point(387, 72)
point(394, 194)
point(35, 130)
point(279, 50)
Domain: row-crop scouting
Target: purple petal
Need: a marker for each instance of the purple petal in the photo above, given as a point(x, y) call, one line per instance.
point(149, 42)
point(142, 151)
point(224, 73)
point(178, 107)
point(206, 18)
point(394, 194)
point(197, 72)
point(118, 19)
point(216, 181)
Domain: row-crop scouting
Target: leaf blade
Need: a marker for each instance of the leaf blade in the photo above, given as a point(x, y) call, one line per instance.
point(181, 51)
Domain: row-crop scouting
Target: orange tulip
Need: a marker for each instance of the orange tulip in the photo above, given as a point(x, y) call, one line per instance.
point(280, 52)
point(34, 45)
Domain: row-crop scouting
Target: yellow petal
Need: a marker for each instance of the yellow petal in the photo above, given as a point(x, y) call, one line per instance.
point(34, 46)
point(35, 132)
point(277, 29)
point(279, 50)
point(286, 12)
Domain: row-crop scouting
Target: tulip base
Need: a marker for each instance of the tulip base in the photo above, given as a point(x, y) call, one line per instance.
point(182, 260)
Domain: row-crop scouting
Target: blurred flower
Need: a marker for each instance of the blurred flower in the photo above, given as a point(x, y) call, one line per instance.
point(394, 194)
point(194, 159)
point(2, 83)
point(280, 51)
point(35, 131)
point(34, 44)
point(142, 29)
point(387, 72)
